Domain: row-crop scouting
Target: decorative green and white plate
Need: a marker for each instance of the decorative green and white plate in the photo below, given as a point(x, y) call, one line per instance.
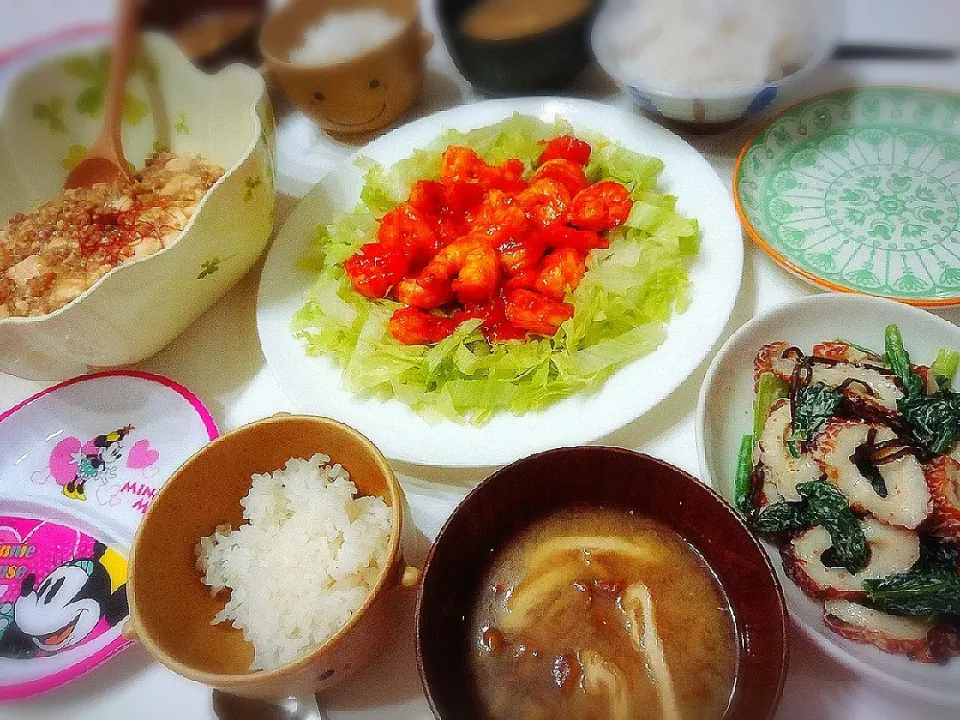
point(859, 191)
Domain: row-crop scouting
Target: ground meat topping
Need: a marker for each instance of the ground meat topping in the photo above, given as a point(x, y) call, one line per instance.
point(49, 257)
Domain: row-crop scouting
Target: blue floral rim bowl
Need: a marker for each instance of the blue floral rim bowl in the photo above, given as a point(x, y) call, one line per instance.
point(720, 109)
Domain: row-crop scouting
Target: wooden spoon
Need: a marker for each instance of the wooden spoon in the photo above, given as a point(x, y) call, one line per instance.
point(105, 162)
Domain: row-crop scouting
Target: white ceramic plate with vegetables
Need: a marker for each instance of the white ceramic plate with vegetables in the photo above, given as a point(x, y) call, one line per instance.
point(851, 477)
point(345, 376)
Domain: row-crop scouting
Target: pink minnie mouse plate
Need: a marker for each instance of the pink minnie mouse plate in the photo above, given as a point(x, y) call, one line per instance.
point(79, 465)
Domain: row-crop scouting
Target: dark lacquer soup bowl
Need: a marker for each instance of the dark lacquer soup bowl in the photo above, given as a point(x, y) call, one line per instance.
point(524, 493)
point(523, 64)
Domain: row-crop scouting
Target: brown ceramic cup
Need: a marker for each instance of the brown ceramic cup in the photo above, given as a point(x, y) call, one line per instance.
point(171, 608)
point(519, 494)
point(359, 95)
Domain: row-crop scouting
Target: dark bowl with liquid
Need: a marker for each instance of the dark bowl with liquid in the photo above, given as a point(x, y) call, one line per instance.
point(529, 489)
point(530, 64)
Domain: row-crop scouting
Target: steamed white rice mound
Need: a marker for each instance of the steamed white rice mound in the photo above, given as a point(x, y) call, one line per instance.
point(306, 560)
point(345, 34)
point(699, 46)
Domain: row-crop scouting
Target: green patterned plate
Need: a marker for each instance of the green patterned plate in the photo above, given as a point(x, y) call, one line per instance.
point(859, 191)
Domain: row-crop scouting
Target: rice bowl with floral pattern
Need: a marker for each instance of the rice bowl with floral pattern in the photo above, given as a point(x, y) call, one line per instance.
point(719, 108)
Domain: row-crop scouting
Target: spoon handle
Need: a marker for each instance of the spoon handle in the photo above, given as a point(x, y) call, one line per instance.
point(121, 58)
point(234, 707)
point(304, 707)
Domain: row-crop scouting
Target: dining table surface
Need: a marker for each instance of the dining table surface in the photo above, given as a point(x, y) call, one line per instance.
point(219, 358)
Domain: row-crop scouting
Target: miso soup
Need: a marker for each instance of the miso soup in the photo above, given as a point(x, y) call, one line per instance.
point(509, 19)
point(601, 614)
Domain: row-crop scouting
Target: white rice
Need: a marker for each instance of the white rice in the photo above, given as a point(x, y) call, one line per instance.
point(696, 46)
point(306, 560)
point(343, 35)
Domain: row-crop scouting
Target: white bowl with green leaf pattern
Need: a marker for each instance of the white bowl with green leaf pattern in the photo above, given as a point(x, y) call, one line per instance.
point(859, 191)
point(51, 114)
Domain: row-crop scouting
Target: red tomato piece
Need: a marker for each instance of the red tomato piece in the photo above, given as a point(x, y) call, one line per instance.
point(416, 327)
point(568, 174)
point(601, 207)
point(375, 269)
point(566, 147)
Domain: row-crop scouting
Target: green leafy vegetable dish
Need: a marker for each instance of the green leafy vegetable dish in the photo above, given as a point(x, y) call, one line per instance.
point(852, 471)
point(621, 306)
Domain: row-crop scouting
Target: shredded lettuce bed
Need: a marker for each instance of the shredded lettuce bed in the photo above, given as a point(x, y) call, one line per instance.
point(621, 306)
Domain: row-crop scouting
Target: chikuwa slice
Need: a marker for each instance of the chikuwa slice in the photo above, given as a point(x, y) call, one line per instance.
point(943, 480)
point(782, 359)
point(780, 469)
point(892, 550)
point(779, 358)
point(891, 633)
point(885, 389)
point(907, 499)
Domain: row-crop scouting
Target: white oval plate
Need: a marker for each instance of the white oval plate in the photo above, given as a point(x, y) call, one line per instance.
point(725, 414)
point(314, 384)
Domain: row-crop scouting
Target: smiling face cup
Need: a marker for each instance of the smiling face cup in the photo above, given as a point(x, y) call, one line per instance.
point(363, 95)
point(356, 96)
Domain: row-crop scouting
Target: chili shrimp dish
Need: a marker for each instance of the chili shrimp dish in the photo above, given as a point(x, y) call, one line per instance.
point(497, 279)
point(853, 472)
point(498, 270)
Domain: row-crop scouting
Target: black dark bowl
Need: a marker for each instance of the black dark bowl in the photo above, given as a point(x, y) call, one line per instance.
point(512, 498)
point(542, 62)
